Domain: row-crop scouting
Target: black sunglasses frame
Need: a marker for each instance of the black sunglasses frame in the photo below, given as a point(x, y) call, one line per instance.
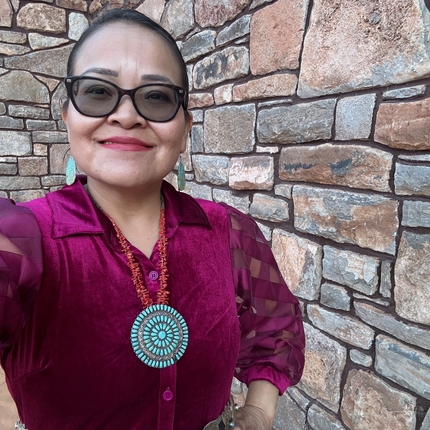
point(180, 92)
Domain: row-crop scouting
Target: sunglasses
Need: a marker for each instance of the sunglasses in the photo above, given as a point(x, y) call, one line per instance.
point(96, 98)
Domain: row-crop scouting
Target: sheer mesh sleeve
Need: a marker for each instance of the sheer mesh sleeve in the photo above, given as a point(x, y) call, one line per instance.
point(20, 268)
point(272, 339)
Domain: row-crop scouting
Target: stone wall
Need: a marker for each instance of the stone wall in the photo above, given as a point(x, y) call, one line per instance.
point(313, 116)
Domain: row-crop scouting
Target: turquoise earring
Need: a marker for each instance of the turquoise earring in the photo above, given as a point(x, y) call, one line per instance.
point(70, 171)
point(181, 175)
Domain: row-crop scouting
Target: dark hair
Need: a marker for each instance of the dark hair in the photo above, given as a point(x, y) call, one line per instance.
point(131, 16)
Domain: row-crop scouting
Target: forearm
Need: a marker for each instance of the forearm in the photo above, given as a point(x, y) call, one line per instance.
point(264, 396)
point(260, 407)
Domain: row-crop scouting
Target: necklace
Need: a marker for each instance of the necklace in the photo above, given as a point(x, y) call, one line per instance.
point(159, 335)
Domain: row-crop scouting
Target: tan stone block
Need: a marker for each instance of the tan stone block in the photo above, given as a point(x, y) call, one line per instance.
point(9, 49)
point(40, 149)
point(73, 4)
point(300, 262)
point(22, 86)
point(42, 17)
point(33, 166)
point(178, 17)
point(251, 173)
point(277, 35)
point(353, 166)
point(199, 100)
point(412, 274)
point(269, 86)
point(6, 13)
point(369, 403)
point(353, 45)
point(223, 94)
point(58, 158)
point(404, 125)
point(217, 12)
point(324, 363)
point(369, 221)
point(152, 8)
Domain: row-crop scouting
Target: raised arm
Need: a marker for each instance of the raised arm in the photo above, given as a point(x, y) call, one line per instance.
point(20, 268)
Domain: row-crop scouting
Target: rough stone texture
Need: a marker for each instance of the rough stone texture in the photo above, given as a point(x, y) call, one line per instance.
point(298, 397)
point(178, 17)
point(56, 103)
point(403, 365)
point(404, 93)
point(416, 213)
point(198, 45)
point(269, 86)
point(33, 166)
point(344, 328)
point(426, 423)
point(6, 13)
point(223, 94)
point(335, 297)
point(35, 124)
point(197, 139)
point(267, 231)
point(12, 36)
point(240, 202)
point(53, 180)
point(11, 123)
point(319, 419)
point(197, 115)
point(370, 403)
point(238, 29)
point(353, 166)
point(211, 168)
point(284, 190)
point(354, 117)
point(251, 173)
point(51, 83)
point(360, 272)
point(355, 45)
point(423, 157)
point(269, 208)
point(213, 13)
point(41, 150)
point(2, 108)
point(299, 261)
point(198, 191)
point(369, 221)
point(42, 17)
point(199, 100)
point(73, 4)
point(277, 35)
point(288, 408)
point(230, 129)
point(412, 180)
point(15, 143)
point(58, 159)
point(22, 86)
point(38, 41)
point(285, 124)
point(324, 363)
point(404, 125)
point(50, 62)
point(20, 111)
point(412, 272)
point(360, 358)
point(230, 63)
point(386, 285)
point(7, 169)
point(153, 8)
point(25, 196)
point(12, 183)
point(77, 25)
point(49, 137)
point(257, 3)
point(8, 49)
point(387, 323)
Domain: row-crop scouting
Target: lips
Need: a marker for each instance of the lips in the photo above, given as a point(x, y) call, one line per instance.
point(125, 143)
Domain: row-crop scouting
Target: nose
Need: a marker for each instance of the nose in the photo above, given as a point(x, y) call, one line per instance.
point(126, 114)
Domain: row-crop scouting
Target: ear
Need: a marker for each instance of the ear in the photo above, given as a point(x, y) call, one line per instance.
point(188, 125)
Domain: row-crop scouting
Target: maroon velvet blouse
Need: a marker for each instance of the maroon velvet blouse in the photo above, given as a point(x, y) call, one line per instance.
point(67, 304)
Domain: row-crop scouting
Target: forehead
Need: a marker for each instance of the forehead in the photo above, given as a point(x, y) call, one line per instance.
point(125, 47)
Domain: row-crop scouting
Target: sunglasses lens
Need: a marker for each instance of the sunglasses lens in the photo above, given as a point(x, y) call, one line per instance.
point(93, 97)
point(157, 103)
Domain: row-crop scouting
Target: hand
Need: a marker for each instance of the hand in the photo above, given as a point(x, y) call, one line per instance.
point(251, 417)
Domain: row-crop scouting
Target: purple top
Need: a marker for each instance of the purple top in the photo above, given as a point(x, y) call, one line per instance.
point(71, 365)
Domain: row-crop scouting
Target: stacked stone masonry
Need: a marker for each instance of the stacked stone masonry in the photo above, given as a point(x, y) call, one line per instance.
point(314, 118)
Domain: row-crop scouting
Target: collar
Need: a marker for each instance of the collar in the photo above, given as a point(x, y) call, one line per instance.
point(74, 213)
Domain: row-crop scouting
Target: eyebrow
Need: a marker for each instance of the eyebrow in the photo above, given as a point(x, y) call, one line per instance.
point(101, 71)
point(157, 78)
point(109, 72)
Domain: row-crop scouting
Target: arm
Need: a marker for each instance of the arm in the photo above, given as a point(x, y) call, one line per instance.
point(20, 268)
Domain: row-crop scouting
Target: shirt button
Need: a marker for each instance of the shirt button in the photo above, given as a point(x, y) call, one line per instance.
point(167, 395)
point(153, 275)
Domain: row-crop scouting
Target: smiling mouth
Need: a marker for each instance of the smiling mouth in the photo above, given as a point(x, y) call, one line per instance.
point(130, 145)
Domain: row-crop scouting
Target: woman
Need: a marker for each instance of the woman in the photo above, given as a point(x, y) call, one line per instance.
point(149, 301)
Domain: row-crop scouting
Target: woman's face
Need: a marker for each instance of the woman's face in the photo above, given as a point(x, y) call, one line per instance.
point(124, 149)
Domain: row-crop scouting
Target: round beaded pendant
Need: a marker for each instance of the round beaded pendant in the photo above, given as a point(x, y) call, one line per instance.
point(159, 336)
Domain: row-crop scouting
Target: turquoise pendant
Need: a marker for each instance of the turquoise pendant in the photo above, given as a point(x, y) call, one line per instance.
point(71, 171)
point(159, 336)
point(181, 176)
